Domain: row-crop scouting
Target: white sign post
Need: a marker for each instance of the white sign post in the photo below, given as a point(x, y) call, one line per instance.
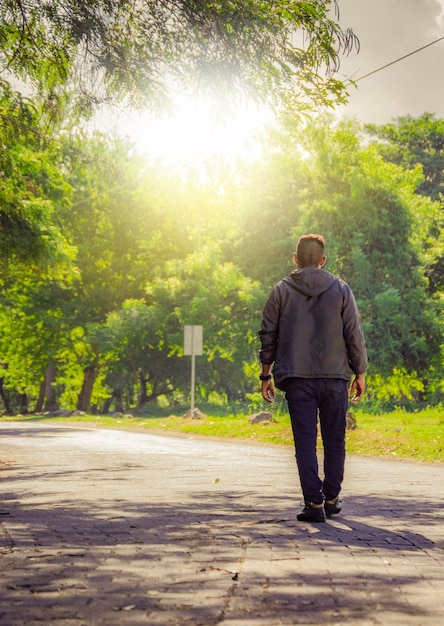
point(193, 347)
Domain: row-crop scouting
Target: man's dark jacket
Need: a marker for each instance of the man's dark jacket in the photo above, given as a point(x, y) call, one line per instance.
point(311, 328)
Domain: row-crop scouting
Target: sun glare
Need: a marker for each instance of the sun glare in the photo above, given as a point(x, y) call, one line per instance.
point(193, 132)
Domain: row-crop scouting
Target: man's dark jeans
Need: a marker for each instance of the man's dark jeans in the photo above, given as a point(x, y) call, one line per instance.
point(305, 397)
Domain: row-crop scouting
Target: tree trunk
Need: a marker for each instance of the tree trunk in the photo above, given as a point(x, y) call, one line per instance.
point(107, 404)
point(23, 400)
point(50, 377)
point(41, 398)
point(143, 397)
point(84, 399)
point(5, 398)
point(118, 398)
point(115, 397)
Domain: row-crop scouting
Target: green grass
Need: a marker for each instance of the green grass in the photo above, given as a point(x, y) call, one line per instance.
point(398, 434)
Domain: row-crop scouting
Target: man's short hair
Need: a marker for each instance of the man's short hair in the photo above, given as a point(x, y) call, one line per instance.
point(310, 250)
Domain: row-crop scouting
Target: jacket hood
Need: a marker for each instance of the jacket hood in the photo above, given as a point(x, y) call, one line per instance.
point(311, 281)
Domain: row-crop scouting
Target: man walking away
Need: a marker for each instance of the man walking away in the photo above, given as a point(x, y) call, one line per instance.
point(312, 344)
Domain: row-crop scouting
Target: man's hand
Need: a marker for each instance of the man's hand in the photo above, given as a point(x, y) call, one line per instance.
point(267, 390)
point(357, 388)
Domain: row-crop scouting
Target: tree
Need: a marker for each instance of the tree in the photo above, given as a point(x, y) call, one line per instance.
point(34, 336)
point(141, 345)
point(268, 208)
point(36, 258)
point(75, 56)
point(133, 51)
point(376, 229)
point(31, 186)
point(322, 177)
point(91, 188)
point(204, 289)
point(137, 354)
point(410, 141)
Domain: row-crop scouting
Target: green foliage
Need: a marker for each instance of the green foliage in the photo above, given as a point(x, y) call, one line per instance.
point(408, 141)
point(105, 259)
point(33, 330)
point(375, 229)
point(31, 186)
point(75, 56)
point(132, 51)
point(205, 290)
point(142, 251)
point(400, 384)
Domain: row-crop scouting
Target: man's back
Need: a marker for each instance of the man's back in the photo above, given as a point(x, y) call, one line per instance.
point(311, 328)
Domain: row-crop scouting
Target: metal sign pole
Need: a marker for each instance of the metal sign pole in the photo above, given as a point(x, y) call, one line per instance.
point(193, 346)
point(193, 379)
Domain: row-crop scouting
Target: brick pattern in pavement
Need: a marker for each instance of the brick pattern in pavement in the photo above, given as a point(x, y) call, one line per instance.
point(116, 528)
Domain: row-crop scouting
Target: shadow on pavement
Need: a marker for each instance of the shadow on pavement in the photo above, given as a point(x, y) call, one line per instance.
point(231, 556)
point(100, 534)
point(44, 431)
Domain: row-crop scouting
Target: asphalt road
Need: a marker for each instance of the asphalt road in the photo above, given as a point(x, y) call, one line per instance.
point(118, 527)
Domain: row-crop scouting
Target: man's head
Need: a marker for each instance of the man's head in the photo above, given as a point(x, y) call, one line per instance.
point(310, 251)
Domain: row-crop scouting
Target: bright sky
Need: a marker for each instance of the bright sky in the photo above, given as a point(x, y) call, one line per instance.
point(388, 30)
point(193, 133)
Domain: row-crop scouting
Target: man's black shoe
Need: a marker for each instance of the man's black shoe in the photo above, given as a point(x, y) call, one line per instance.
point(333, 507)
point(312, 513)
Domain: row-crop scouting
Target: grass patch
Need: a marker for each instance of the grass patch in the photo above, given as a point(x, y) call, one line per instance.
point(398, 434)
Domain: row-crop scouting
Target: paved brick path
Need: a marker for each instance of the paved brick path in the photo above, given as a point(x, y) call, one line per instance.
point(123, 528)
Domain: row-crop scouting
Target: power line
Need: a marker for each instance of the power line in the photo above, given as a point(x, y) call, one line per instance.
point(396, 60)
